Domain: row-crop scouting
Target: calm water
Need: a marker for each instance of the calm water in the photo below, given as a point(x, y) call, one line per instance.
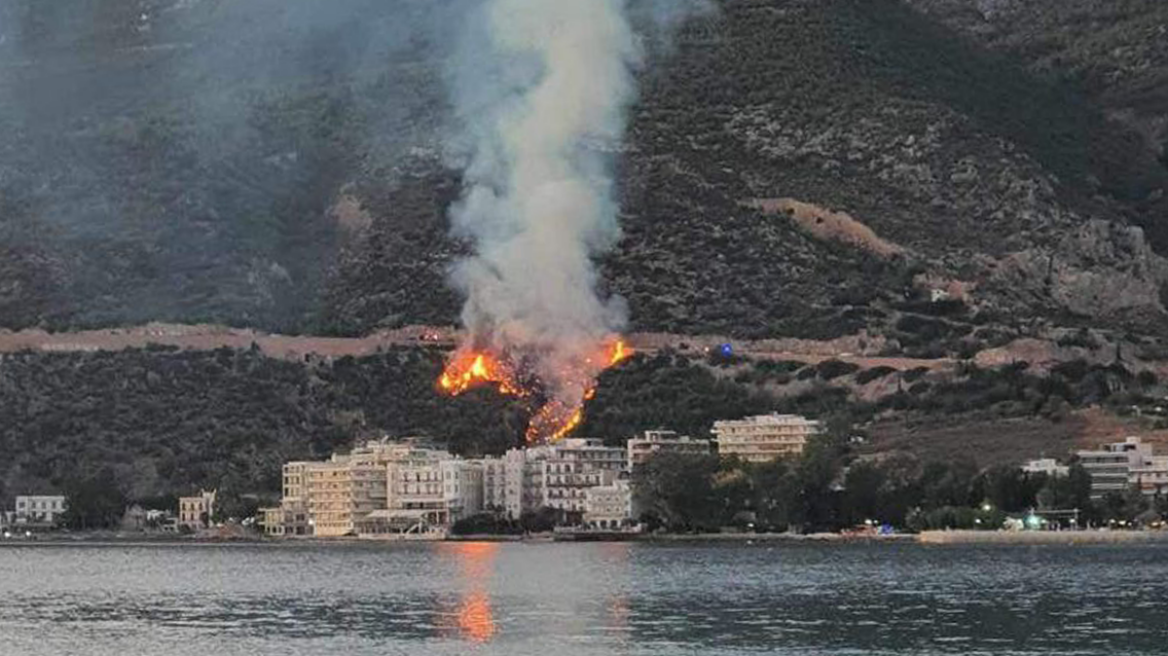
point(561, 600)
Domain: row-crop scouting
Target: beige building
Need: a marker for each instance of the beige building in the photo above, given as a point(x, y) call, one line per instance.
point(197, 512)
point(1151, 476)
point(609, 507)
point(764, 437)
point(329, 499)
point(640, 449)
point(426, 492)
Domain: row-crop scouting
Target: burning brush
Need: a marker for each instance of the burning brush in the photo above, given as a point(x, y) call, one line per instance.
point(556, 398)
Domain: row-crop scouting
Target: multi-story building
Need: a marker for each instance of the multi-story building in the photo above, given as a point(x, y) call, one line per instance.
point(524, 485)
point(1111, 468)
point(329, 498)
point(1151, 476)
point(495, 483)
point(196, 512)
point(640, 449)
point(609, 507)
point(426, 492)
point(39, 510)
point(764, 437)
point(565, 470)
point(402, 489)
point(289, 519)
point(1048, 466)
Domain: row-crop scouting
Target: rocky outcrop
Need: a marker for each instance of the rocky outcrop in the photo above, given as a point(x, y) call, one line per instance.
point(1099, 270)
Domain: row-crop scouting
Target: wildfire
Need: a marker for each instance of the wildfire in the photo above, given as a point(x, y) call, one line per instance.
point(471, 368)
point(556, 418)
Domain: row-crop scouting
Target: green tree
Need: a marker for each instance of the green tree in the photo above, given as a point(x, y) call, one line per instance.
point(678, 489)
point(96, 502)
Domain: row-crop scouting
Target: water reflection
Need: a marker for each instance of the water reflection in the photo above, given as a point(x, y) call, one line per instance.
point(582, 600)
point(615, 559)
point(474, 620)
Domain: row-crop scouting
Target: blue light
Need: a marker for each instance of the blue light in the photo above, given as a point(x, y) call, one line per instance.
point(727, 350)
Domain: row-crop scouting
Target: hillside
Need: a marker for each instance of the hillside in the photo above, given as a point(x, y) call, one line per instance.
point(166, 421)
point(306, 192)
point(979, 184)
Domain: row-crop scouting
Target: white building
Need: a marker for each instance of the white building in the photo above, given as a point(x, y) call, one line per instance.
point(764, 437)
point(640, 449)
point(1111, 468)
point(1048, 466)
point(39, 510)
point(558, 475)
point(462, 488)
point(609, 507)
point(494, 484)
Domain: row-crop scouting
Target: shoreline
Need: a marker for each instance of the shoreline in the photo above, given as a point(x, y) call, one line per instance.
point(927, 538)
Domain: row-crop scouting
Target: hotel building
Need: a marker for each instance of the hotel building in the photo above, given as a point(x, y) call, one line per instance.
point(764, 438)
point(1119, 465)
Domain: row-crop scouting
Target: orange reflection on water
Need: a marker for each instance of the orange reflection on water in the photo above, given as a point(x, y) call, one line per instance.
point(475, 621)
point(474, 617)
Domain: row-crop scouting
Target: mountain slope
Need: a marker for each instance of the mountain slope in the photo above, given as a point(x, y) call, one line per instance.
point(308, 192)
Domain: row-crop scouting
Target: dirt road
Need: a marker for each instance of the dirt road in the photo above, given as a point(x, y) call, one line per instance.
point(860, 349)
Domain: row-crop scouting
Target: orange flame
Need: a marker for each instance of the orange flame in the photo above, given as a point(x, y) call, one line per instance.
point(554, 420)
point(470, 368)
point(620, 351)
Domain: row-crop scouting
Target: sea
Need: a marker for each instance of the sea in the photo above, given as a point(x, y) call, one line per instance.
point(555, 599)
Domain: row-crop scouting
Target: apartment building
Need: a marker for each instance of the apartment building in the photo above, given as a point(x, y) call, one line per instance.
point(495, 483)
point(404, 490)
point(609, 507)
point(564, 471)
point(426, 492)
point(765, 437)
point(1151, 476)
point(1117, 466)
point(640, 449)
point(329, 498)
point(43, 510)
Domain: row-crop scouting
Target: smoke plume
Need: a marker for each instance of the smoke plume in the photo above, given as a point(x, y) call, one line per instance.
point(542, 88)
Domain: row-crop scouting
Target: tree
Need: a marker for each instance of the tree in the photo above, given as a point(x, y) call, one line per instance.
point(1011, 489)
point(863, 494)
point(1069, 492)
point(678, 489)
point(96, 502)
point(774, 488)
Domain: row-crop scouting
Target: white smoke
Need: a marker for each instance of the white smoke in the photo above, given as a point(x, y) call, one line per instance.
point(541, 89)
point(538, 199)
